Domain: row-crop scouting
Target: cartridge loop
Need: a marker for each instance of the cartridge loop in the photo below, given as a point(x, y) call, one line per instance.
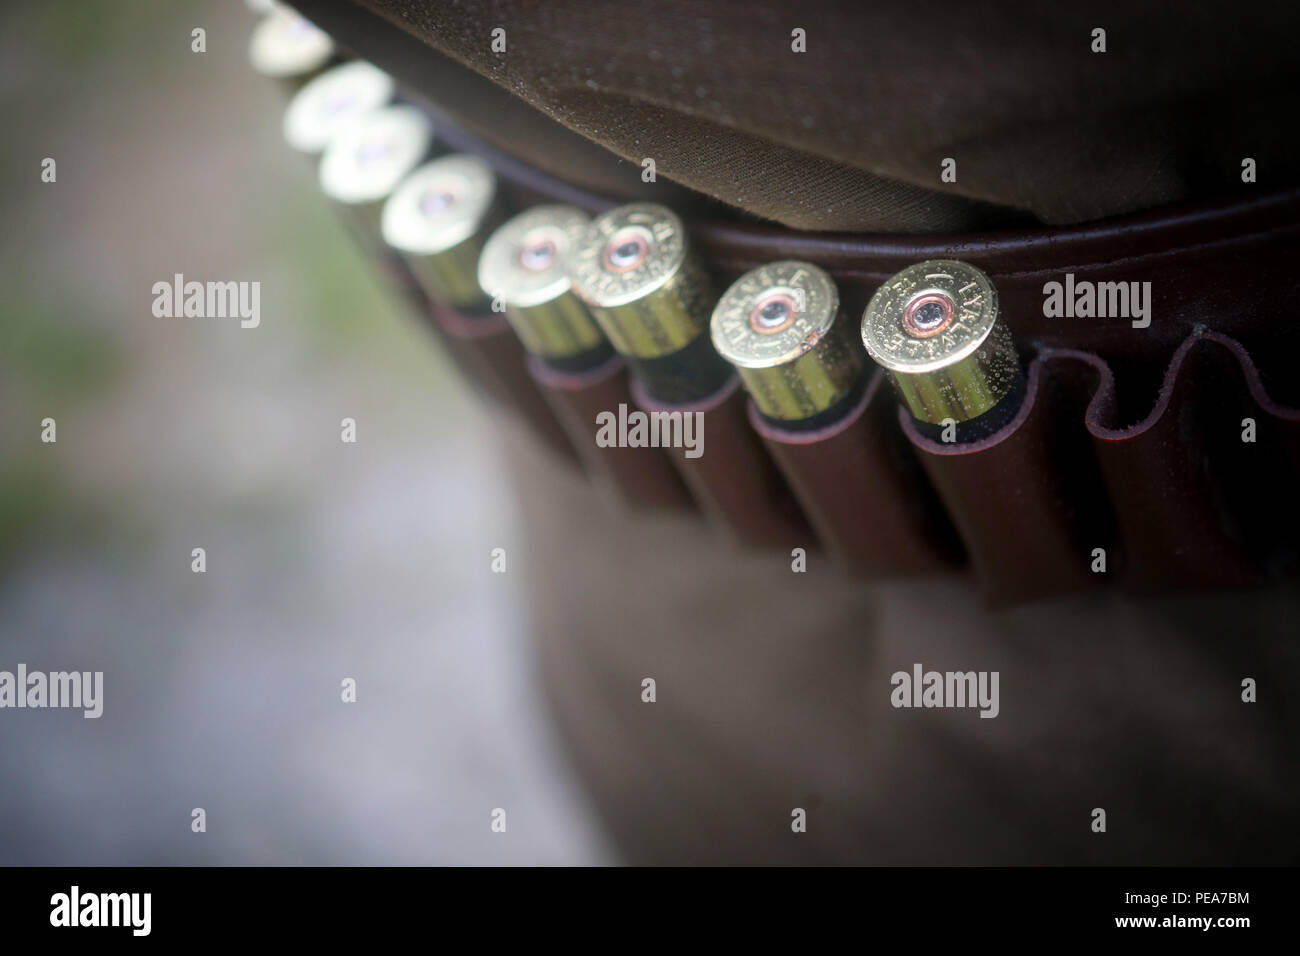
point(935, 327)
point(777, 325)
point(632, 268)
point(439, 218)
point(523, 263)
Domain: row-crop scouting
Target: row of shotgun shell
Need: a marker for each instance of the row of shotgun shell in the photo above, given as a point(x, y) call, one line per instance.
point(563, 316)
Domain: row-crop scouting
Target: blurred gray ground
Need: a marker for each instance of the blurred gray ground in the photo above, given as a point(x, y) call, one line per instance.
point(325, 560)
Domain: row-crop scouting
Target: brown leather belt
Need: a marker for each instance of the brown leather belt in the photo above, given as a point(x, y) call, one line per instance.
point(1129, 440)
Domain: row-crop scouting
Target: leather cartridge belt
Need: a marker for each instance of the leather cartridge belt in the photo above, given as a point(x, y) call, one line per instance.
point(1152, 438)
point(1169, 443)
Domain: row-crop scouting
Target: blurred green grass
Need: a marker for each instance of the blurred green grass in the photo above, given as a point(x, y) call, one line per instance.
point(62, 354)
point(48, 365)
point(50, 356)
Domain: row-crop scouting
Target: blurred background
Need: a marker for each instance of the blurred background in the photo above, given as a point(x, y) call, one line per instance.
point(324, 560)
